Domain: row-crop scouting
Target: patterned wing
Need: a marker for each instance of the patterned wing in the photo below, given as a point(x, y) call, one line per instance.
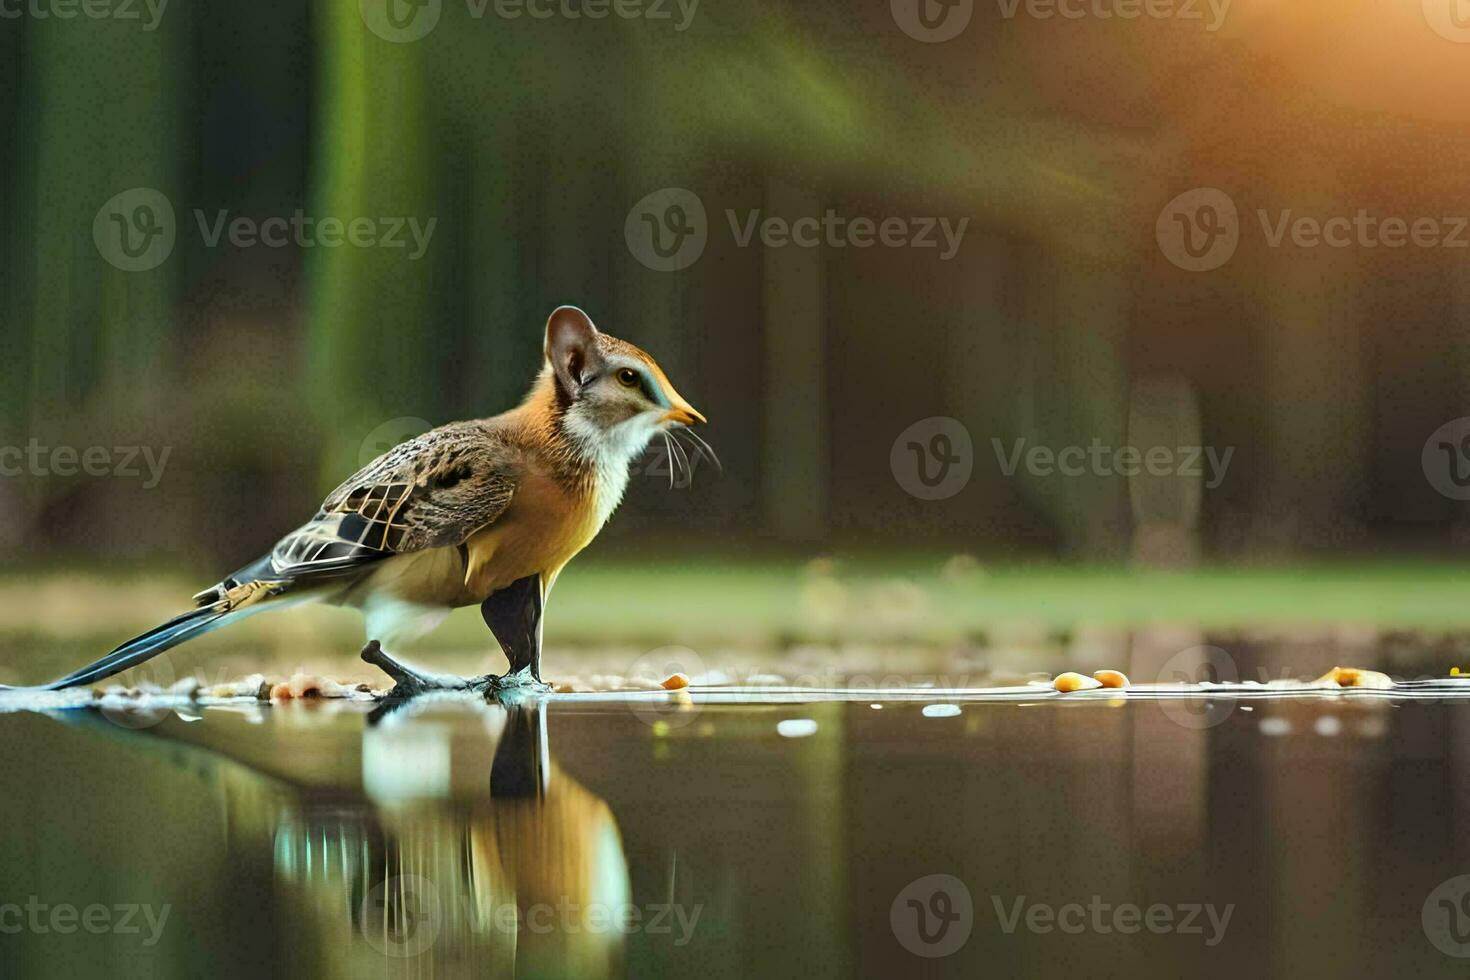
point(430, 492)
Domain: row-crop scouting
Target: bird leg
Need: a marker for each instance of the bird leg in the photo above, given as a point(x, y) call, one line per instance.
point(521, 769)
point(410, 683)
point(514, 616)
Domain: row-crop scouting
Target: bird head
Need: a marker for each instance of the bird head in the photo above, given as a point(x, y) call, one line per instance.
point(616, 397)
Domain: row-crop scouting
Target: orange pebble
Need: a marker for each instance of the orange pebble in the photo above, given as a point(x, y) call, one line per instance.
point(1356, 677)
point(1072, 681)
point(676, 682)
point(1111, 678)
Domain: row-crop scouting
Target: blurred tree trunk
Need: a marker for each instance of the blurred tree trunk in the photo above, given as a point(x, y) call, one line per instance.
point(1078, 393)
point(1312, 386)
point(73, 327)
point(794, 456)
point(374, 350)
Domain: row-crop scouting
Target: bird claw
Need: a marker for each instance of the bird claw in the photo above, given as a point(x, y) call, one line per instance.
point(409, 683)
point(521, 682)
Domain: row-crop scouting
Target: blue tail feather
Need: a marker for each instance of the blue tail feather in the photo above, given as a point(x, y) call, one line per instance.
point(139, 649)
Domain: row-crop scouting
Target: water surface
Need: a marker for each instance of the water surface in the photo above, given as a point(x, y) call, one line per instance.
point(716, 836)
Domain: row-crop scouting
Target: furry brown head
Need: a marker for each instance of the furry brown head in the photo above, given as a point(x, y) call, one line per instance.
point(616, 398)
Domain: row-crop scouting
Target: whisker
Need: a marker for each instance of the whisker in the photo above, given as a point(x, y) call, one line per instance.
point(705, 449)
point(668, 447)
point(693, 455)
point(684, 459)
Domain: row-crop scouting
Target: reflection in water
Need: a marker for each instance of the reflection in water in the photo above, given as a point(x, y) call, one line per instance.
point(528, 878)
point(452, 838)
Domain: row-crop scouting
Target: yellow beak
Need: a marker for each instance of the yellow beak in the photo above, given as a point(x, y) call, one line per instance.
point(684, 414)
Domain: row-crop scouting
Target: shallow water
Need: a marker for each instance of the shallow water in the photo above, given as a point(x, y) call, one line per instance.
point(676, 835)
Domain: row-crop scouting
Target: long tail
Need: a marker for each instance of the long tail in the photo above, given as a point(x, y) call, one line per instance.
point(195, 622)
point(253, 588)
point(247, 591)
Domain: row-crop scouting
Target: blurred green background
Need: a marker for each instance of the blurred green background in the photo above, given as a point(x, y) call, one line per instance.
point(268, 374)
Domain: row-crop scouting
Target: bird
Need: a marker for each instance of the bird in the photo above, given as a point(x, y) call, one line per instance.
point(483, 512)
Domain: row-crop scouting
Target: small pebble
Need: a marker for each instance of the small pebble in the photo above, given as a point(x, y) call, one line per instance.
point(676, 682)
point(1111, 678)
point(308, 686)
point(1355, 677)
point(245, 687)
point(1070, 681)
point(185, 687)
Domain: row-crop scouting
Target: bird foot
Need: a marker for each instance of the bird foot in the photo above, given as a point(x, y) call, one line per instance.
point(408, 682)
point(520, 682)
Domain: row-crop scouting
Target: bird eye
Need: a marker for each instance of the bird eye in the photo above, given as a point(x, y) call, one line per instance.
point(628, 378)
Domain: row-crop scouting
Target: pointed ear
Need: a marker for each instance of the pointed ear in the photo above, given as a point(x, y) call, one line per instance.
point(571, 347)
